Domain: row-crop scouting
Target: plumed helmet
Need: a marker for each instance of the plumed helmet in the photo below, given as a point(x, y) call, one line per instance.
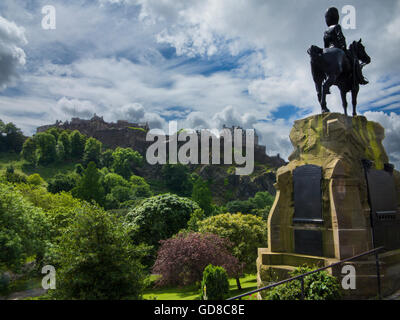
point(332, 16)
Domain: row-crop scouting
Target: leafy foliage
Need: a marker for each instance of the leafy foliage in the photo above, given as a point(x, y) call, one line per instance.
point(77, 144)
point(182, 259)
point(11, 137)
point(159, 217)
point(246, 232)
point(202, 195)
point(317, 286)
point(65, 139)
point(259, 205)
point(92, 151)
point(35, 179)
point(89, 186)
point(96, 259)
point(46, 148)
point(21, 229)
point(62, 182)
point(215, 284)
point(29, 151)
point(125, 160)
point(177, 179)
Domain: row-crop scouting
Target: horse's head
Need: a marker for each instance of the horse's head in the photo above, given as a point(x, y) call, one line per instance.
point(359, 51)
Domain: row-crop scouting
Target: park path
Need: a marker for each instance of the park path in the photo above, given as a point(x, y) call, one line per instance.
point(27, 294)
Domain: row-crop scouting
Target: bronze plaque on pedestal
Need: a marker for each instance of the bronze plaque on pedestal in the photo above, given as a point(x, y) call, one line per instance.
point(383, 202)
point(308, 242)
point(307, 194)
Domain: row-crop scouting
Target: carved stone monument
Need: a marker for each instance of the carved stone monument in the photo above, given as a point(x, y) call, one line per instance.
point(337, 197)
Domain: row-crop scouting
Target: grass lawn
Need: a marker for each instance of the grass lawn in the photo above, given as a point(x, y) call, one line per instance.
point(248, 283)
point(47, 172)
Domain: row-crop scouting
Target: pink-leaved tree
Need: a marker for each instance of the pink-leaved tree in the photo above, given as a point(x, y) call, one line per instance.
point(181, 260)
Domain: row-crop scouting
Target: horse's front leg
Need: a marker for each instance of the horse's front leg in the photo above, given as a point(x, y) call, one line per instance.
point(344, 100)
point(354, 94)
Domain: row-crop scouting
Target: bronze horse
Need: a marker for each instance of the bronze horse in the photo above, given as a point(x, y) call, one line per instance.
point(332, 66)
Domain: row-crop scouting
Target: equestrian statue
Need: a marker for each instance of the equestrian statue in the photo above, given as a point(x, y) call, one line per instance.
point(337, 65)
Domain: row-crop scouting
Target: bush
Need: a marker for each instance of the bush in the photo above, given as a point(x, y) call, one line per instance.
point(35, 179)
point(215, 284)
point(317, 286)
point(62, 182)
point(13, 176)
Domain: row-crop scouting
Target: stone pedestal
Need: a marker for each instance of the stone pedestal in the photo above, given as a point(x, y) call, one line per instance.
point(337, 145)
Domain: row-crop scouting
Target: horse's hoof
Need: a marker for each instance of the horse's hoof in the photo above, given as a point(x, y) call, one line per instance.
point(354, 114)
point(326, 110)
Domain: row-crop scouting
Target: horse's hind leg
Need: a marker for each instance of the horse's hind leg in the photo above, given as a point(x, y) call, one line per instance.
point(344, 100)
point(325, 89)
point(354, 94)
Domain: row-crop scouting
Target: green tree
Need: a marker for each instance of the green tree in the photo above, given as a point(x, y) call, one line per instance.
point(247, 232)
point(77, 144)
point(202, 195)
point(60, 150)
point(215, 284)
point(96, 259)
point(21, 228)
point(89, 186)
point(141, 187)
point(54, 131)
point(106, 159)
point(112, 180)
point(46, 144)
point(177, 179)
point(29, 151)
point(64, 138)
point(125, 161)
point(158, 218)
point(14, 139)
point(92, 151)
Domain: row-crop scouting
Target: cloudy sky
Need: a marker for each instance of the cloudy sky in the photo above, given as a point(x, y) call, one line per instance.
point(203, 63)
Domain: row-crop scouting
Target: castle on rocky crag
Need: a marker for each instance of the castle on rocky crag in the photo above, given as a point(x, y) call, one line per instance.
point(133, 135)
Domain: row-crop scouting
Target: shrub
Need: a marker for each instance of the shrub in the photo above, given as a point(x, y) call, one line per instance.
point(215, 284)
point(14, 177)
point(62, 182)
point(35, 179)
point(317, 286)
